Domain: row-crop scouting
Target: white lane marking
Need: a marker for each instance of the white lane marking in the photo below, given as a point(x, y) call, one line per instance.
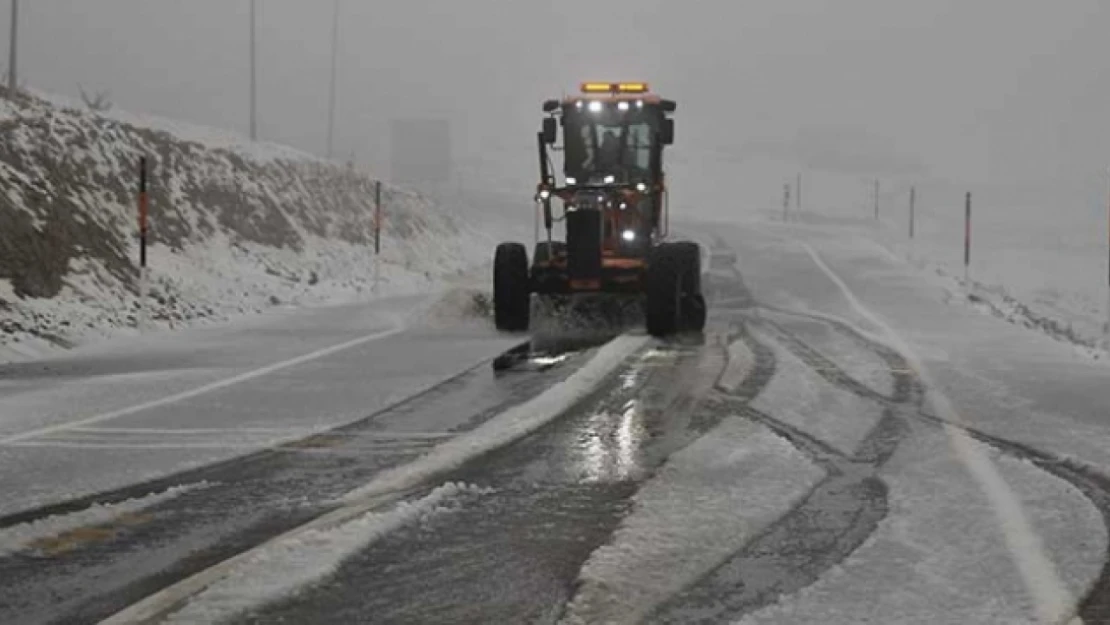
point(391, 485)
point(202, 390)
point(386, 434)
point(373, 444)
point(188, 431)
point(51, 444)
point(1052, 600)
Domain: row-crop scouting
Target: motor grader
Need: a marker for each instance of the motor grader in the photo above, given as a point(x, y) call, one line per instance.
point(612, 204)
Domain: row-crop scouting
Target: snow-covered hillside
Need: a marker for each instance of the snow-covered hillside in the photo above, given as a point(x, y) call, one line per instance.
point(235, 227)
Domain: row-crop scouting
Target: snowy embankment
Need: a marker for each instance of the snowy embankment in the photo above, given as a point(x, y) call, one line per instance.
point(1044, 270)
point(235, 228)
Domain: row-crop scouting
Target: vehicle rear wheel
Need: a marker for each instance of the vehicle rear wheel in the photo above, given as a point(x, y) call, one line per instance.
point(689, 256)
point(663, 290)
point(511, 289)
point(694, 312)
point(692, 306)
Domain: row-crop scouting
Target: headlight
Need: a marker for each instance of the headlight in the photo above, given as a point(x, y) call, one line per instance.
point(622, 105)
point(628, 235)
point(610, 179)
point(545, 194)
point(641, 187)
point(595, 106)
point(572, 181)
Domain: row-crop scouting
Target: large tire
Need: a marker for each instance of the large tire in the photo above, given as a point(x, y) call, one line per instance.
point(511, 289)
point(546, 250)
point(692, 307)
point(689, 257)
point(663, 290)
point(694, 312)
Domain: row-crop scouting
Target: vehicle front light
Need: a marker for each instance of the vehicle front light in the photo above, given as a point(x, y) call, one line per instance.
point(572, 181)
point(641, 187)
point(628, 235)
point(595, 106)
point(610, 179)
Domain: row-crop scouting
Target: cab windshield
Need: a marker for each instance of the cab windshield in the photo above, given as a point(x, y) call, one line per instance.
point(609, 143)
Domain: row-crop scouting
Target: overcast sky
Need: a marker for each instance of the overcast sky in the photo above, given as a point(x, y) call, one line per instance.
point(991, 93)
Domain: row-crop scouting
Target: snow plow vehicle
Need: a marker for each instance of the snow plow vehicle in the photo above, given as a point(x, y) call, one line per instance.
point(613, 206)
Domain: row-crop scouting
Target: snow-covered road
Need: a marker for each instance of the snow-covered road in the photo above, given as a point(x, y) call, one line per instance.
point(844, 444)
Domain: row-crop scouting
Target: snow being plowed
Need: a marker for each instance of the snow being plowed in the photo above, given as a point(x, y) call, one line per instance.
point(235, 227)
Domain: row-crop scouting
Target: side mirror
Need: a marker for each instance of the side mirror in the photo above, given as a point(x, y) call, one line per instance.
point(550, 130)
point(668, 106)
point(550, 106)
point(666, 132)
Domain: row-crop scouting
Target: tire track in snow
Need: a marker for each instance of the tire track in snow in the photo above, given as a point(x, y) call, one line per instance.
point(831, 522)
point(1094, 606)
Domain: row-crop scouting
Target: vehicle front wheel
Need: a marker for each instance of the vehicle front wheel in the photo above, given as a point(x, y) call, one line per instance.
point(663, 291)
point(511, 288)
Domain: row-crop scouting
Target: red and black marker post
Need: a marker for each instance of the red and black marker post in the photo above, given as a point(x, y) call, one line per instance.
point(377, 217)
point(143, 211)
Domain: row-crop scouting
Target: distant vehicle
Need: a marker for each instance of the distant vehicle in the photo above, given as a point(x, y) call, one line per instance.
point(614, 207)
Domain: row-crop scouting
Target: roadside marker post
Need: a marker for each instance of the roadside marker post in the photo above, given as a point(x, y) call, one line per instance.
point(967, 236)
point(377, 234)
point(786, 202)
point(144, 207)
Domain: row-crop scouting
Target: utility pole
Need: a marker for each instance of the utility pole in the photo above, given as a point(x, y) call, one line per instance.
point(798, 193)
point(331, 93)
point(1106, 327)
point(876, 199)
point(13, 52)
point(254, 75)
point(913, 205)
point(786, 202)
point(967, 237)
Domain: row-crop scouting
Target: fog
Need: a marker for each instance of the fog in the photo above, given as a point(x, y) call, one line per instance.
point(1006, 96)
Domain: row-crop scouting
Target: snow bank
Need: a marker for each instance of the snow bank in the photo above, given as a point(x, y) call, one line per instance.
point(235, 228)
point(279, 569)
point(1043, 269)
point(20, 537)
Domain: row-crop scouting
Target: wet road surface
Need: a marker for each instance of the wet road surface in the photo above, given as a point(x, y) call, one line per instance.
point(514, 548)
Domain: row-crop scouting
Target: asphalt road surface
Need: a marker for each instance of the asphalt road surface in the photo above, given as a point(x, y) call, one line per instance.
point(843, 444)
